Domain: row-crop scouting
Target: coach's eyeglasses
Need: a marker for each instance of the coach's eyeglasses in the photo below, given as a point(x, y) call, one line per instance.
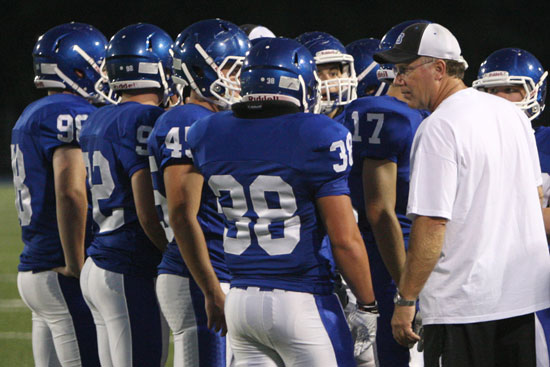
point(406, 70)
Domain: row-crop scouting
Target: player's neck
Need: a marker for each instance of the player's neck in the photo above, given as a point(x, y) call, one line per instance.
point(143, 98)
point(194, 98)
point(395, 91)
point(56, 91)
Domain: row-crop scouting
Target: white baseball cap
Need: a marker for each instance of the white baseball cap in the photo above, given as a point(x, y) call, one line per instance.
point(422, 39)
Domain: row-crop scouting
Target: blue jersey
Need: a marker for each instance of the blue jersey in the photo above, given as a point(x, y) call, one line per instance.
point(45, 125)
point(383, 128)
point(267, 174)
point(114, 143)
point(167, 146)
point(542, 136)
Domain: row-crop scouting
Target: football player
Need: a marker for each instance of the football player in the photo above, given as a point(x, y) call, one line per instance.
point(50, 183)
point(214, 88)
point(365, 67)
point(280, 173)
point(118, 278)
point(383, 128)
point(336, 71)
point(518, 76)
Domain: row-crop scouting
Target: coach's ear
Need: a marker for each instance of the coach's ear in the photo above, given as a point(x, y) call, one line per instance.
point(440, 69)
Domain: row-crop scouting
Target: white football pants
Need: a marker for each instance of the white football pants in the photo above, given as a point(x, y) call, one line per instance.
point(277, 328)
point(128, 321)
point(182, 304)
point(59, 319)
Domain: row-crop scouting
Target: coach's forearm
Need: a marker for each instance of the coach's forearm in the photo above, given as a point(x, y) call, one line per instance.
point(425, 244)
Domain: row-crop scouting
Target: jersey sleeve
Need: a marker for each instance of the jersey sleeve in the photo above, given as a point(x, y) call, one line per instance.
point(434, 171)
point(383, 135)
point(329, 160)
point(133, 152)
point(60, 129)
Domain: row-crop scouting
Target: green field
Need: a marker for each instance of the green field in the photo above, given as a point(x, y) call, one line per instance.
point(15, 317)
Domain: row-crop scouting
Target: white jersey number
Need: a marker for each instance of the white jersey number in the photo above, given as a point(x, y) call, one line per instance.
point(103, 191)
point(379, 118)
point(267, 216)
point(345, 153)
point(22, 193)
point(69, 128)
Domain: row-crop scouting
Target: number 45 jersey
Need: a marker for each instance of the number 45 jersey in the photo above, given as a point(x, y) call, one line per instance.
point(45, 125)
point(114, 145)
point(267, 174)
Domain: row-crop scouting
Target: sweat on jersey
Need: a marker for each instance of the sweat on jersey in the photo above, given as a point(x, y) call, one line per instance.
point(114, 145)
point(45, 125)
point(267, 174)
point(167, 146)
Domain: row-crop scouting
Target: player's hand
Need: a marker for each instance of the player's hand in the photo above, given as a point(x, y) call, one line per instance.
point(363, 326)
point(68, 271)
point(215, 311)
point(402, 323)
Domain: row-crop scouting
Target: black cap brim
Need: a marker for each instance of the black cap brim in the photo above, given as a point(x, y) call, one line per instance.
point(395, 56)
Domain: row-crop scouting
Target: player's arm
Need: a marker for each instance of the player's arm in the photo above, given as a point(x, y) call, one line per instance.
point(348, 247)
point(379, 187)
point(183, 185)
point(142, 188)
point(71, 206)
point(426, 242)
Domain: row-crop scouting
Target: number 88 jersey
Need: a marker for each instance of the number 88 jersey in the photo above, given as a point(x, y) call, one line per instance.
point(114, 146)
point(267, 174)
point(45, 125)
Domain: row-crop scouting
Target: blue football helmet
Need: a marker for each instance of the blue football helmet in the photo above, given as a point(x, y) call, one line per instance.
point(69, 56)
point(514, 66)
point(365, 66)
point(385, 73)
point(138, 57)
point(280, 69)
point(207, 57)
point(327, 49)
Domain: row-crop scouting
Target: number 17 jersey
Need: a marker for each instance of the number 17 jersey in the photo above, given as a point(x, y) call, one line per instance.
point(267, 174)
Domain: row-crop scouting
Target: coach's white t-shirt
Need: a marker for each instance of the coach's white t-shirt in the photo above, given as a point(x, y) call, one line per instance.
point(474, 161)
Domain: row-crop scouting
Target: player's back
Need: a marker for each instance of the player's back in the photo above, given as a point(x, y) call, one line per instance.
point(44, 126)
point(267, 174)
point(114, 144)
point(168, 146)
point(383, 128)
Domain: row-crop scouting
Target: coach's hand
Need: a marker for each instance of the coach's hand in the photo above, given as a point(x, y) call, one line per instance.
point(363, 325)
point(402, 325)
point(215, 311)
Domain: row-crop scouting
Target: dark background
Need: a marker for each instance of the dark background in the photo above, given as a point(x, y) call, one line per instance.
point(481, 27)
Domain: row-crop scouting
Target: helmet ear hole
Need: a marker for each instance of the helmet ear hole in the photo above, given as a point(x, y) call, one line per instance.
point(79, 73)
point(197, 70)
point(296, 59)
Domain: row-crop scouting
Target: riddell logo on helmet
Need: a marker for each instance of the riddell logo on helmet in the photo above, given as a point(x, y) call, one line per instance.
point(380, 73)
point(494, 74)
point(125, 86)
point(262, 98)
point(328, 52)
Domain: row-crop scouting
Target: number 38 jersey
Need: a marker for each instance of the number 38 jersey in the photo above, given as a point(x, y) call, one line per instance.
point(267, 174)
point(167, 146)
point(114, 146)
point(44, 126)
point(383, 128)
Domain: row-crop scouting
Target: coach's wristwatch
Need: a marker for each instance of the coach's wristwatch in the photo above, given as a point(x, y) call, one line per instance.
point(400, 301)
